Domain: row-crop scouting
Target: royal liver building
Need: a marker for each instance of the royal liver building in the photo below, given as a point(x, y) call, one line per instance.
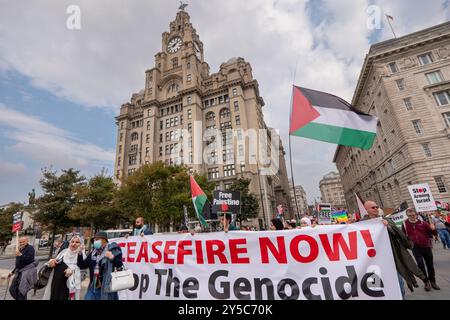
point(213, 123)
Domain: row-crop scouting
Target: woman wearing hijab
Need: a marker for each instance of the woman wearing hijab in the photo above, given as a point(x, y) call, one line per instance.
point(305, 222)
point(276, 225)
point(65, 280)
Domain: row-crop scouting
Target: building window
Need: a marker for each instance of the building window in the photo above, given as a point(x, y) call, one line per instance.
point(188, 65)
point(417, 124)
point(236, 106)
point(121, 125)
point(427, 150)
point(391, 167)
point(133, 160)
point(148, 125)
point(440, 184)
point(241, 150)
point(175, 62)
point(189, 114)
point(120, 148)
point(442, 98)
point(234, 92)
point(225, 113)
point(393, 67)
point(446, 117)
point(118, 161)
point(238, 120)
point(434, 77)
point(161, 125)
point(425, 59)
point(147, 138)
point(239, 134)
point(213, 173)
point(189, 100)
point(167, 136)
point(242, 166)
point(210, 116)
point(121, 137)
point(228, 171)
point(134, 136)
point(160, 151)
point(172, 122)
point(134, 148)
point(149, 113)
point(228, 155)
point(408, 104)
point(400, 84)
point(147, 151)
point(189, 78)
point(167, 123)
point(189, 127)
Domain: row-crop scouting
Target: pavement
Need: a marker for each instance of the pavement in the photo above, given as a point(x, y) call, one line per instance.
point(441, 263)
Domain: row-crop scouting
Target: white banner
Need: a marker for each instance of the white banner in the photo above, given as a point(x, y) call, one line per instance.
point(324, 263)
point(422, 197)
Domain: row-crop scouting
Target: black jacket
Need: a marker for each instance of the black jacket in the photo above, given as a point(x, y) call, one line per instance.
point(26, 258)
point(90, 263)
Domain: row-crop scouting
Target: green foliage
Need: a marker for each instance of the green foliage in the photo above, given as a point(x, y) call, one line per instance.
point(6, 217)
point(249, 202)
point(94, 203)
point(158, 193)
point(58, 198)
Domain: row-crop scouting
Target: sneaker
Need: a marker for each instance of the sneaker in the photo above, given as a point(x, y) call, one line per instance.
point(427, 286)
point(435, 286)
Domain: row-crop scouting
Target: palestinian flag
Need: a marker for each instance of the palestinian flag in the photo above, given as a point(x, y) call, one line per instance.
point(199, 199)
point(321, 116)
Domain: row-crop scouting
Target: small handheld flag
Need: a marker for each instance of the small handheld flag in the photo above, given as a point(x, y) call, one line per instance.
point(198, 199)
point(362, 209)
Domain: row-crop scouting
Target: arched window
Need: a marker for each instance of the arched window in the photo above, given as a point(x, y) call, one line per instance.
point(224, 113)
point(210, 116)
point(134, 136)
point(174, 87)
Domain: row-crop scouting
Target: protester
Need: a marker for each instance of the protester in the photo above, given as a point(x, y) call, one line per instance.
point(183, 229)
point(225, 223)
point(421, 234)
point(25, 271)
point(305, 222)
point(140, 228)
point(441, 229)
point(64, 282)
point(101, 261)
point(276, 224)
point(404, 263)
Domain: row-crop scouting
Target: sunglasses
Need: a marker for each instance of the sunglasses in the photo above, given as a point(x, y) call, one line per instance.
point(375, 207)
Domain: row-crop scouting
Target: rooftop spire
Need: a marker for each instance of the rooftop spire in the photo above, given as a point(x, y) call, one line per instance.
point(182, 6)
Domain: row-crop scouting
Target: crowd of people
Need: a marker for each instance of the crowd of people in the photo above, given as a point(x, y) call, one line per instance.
point(64, 272)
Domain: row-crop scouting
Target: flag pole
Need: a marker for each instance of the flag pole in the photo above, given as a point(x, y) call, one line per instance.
point(290, 145)
point(392, 29)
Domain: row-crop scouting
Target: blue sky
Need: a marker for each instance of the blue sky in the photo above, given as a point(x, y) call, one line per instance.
point(60, 89)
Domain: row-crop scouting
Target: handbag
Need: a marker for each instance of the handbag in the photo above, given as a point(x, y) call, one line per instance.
point(121, 280)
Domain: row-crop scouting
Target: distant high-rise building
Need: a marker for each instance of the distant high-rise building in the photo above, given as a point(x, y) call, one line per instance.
point(301, 199)
point(332, 190)
point(405, 82)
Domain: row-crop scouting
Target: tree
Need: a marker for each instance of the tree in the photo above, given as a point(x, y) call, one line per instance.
point(94, 203)
point(6, 219)
point(249, 202)
point(158, 193)
point(57, 201)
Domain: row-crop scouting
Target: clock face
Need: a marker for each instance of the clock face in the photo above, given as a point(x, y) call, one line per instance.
point(174, 45)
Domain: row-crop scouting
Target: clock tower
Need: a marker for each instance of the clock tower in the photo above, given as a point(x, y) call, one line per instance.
point(179, 65)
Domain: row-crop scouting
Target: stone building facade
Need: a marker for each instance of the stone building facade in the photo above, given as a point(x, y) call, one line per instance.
point(186, 115)
point(405, 82)
point(302, 201)
point(332, 191)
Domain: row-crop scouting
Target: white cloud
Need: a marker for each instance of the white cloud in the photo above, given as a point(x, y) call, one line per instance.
point(50, 145)
point(103, 63)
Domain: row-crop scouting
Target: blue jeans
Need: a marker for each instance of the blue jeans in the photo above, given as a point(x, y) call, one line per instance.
point(445, 237)
point(96, 294)
point(93, 294)
point(402, 285)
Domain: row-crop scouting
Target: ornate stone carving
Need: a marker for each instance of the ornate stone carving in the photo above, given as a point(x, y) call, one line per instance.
point(407, 63)
point(444, 52)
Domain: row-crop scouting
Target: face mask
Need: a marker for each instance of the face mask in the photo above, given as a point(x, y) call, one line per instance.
point(97, 244)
